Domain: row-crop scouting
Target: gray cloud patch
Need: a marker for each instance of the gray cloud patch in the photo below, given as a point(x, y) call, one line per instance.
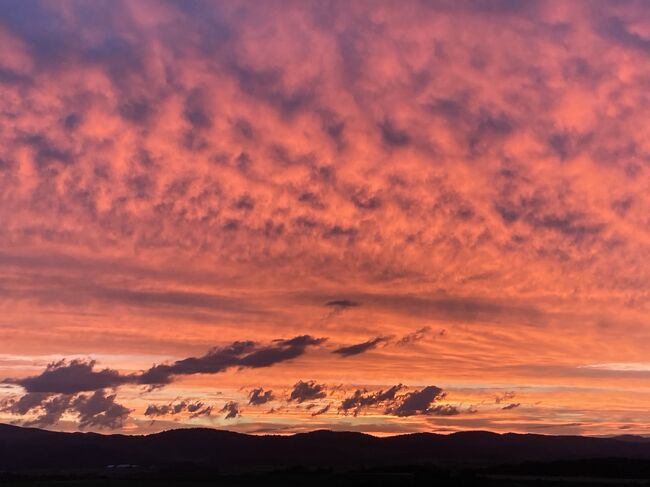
point(363, 201)
point(197, 409)
point(360, 348)
point(99, 410)
point(422, 403)
point(342, 303)
point(511, 406)
point(231, 408)
point(155, 410)
point(615, 29)
point(172, 409)
point(95, 410)
point(322, 410)
point(307, 391)
point(195, 112)
point(362, 399)
point(393, 136)
point(51, 409)
point(25, 403)
point(71, 377)
point(419, 402)
point(259, 396)
point(338, 306)
point(416, 336)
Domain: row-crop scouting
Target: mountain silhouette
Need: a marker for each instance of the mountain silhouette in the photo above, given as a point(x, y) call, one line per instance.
point(29, 449)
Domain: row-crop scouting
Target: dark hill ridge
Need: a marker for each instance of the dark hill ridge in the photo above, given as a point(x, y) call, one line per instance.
point(29, 448)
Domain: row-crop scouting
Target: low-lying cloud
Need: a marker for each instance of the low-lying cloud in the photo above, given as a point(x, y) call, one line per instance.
point(307, 391)
point(362, 399)
point(98, 409)
point(422, 402)
point(259, 396)
point(418, 402)
point(78, 375)
point(231, 410)
point(193, 408)
point(72, 377)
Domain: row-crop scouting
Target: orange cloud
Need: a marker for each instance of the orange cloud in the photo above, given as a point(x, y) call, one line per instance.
point(180, 176)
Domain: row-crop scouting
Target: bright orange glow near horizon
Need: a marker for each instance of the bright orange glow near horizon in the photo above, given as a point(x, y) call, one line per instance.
point(280, 216)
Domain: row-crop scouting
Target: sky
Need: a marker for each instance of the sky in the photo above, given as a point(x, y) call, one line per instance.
point(280, 216)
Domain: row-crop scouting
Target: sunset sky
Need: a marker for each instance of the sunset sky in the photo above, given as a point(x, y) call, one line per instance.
point(280, 216)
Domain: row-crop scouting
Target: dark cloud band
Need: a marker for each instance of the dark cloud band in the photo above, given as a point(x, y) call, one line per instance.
point(78, 375)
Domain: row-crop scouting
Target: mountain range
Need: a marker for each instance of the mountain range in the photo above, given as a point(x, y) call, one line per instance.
point(29, 449)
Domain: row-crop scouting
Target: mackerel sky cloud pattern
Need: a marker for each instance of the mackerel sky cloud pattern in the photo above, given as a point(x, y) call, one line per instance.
point(454, 194)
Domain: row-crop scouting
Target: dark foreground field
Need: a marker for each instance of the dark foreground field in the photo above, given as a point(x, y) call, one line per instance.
point(403, 476)
point(204, 457)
